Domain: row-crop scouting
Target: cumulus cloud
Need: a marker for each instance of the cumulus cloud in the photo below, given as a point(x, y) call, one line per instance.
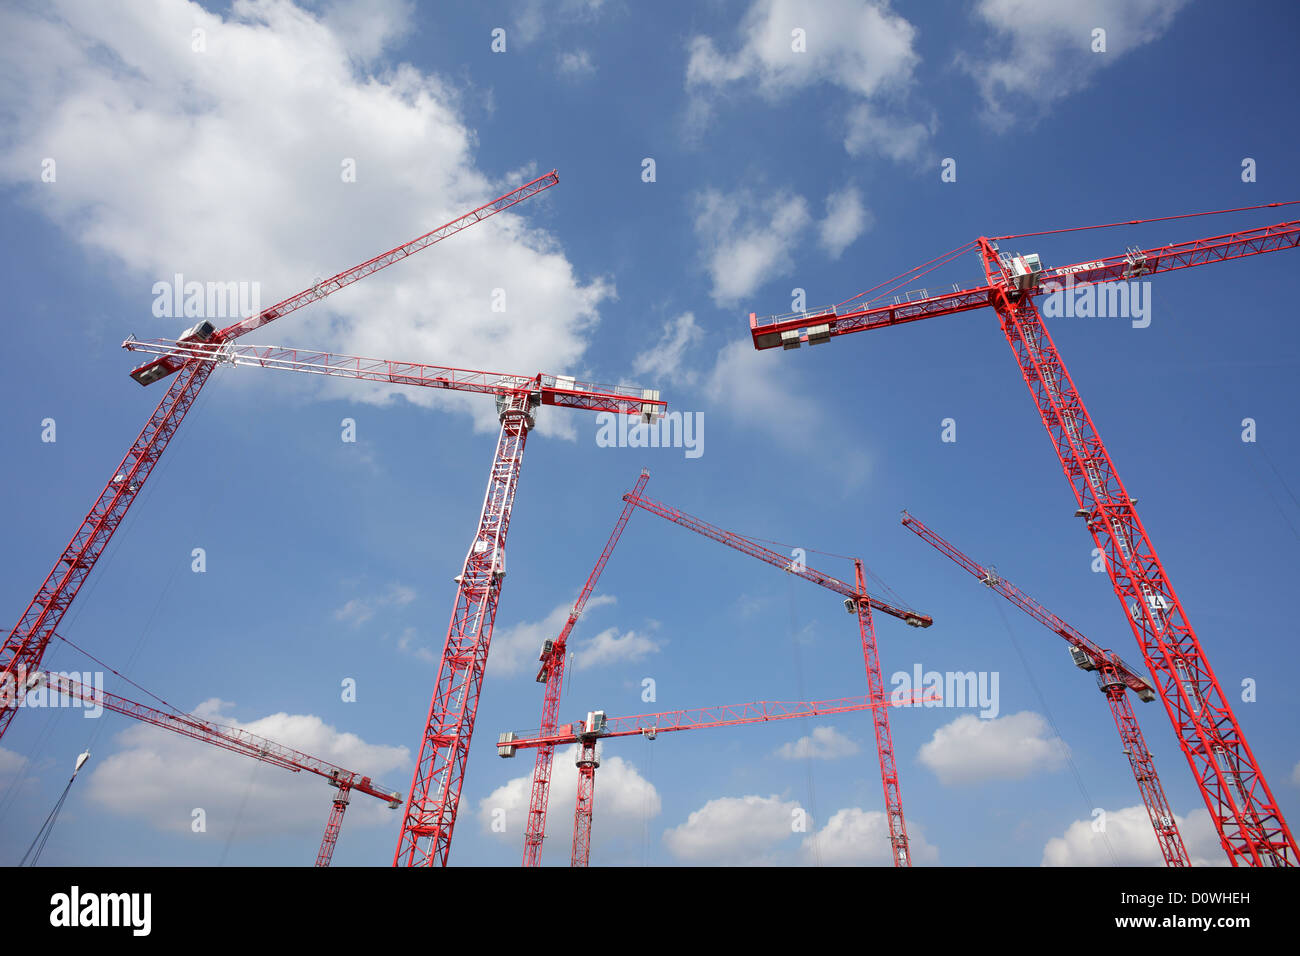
point(358, 610)
point(1042, 52)
point(846, 219)
point(515, 648)
point(611, 647)
point(1128, 840)
point(863, 49)
point(747, 240)
point(227, 164)
point(868, 132)
point(667, 360)
point(575, 63)
point(971, 750)
point(624, 802)
point(734, 831)
point(824, 743)
point(857, 837)
point(160, 777)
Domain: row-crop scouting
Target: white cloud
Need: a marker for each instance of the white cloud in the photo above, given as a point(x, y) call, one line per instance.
point(160, 777)
point(857, 837)
point(970, 750)
point(611, 647)
point(1129, 837)
point(747, 241)
point(863, 49)
point(867, 132)
point(11, 765)
point(846, 219)
point(734, 831)
point(1295, 775)
point(406, 643)
point(575, 63)
point(225, 165)
point(367, 27)
point(358, 610)
point(515, 648)
point(666, 360)
point(624, 801)
point(1044, 50)
point(746, 385)
point(824, 743)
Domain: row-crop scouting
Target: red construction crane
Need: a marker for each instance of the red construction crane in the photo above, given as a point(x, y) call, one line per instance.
point(25, 645)
point(597, 726)
point(233, 739)
point(856, 601)
point(439, 774)
point(551, 673)
point(1250, 824)
point(1113, 678)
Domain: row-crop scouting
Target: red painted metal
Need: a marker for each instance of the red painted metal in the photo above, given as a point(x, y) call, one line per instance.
point(1251, 827)
point(651, 725)
point(557, 390)
point(700, 718)
point(444, 750)
point(860, 603)
point(25, 644)
point(588, 760)
point(1113, 678)
point(338, 806)
point(901, 854)
point(792, 329)
point(755, 550)
point(552, 673)
point(237, 741)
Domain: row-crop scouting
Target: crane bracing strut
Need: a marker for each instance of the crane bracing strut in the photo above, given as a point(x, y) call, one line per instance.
point(1114, 677)
point(25, 644)
point(857, 602)
point(586, 733)
point(234, 739)
point(1250, 824)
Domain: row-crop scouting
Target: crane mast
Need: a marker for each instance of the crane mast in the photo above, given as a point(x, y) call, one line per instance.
point(551, 673)
point(1250, 824)
point(1114, 677)
point(858, 602)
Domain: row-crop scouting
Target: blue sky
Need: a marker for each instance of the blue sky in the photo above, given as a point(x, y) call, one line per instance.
point(775, 170)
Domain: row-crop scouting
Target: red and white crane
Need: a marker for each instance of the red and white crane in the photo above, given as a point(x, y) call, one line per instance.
point(233, 739)
point(1114, 677)
point(444, 749)
point(25, 644)
point(551, 673)
point(856, 601)
point(586, 733)
point(1251, 827)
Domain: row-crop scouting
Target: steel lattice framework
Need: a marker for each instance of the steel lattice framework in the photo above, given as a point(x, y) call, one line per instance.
point(551, 673)
point(857, 602)
point(1113, 678)
point(25, 644)
point(1251, 828)
point(444, 748)
point(236, 740)
point(588, 734)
